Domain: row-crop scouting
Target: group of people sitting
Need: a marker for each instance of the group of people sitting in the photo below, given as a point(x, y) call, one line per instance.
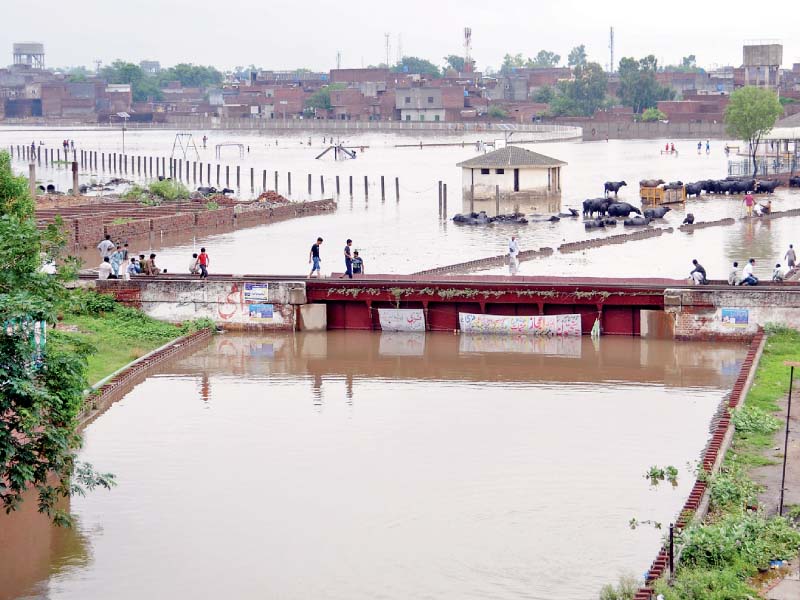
point(746, 276)
point(131, 266)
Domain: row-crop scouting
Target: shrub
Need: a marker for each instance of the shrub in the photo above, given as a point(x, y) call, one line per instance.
point(497, 112)
point(653, 114)
point(696, 584)
point(731, 488)
point(169, 189)
point(749, 419)
point(624, 590)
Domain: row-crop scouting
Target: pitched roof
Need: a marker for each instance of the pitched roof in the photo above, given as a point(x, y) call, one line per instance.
point(791, 121)
point(510, 156)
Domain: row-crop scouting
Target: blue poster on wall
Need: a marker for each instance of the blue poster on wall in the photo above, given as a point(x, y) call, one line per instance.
point(260, 312)
point(735, 317)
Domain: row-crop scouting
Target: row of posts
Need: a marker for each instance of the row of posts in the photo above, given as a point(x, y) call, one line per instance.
point(182, 170)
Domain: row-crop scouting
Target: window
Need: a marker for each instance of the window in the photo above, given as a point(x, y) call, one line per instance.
point(484, 171)
point(408, 99)
point(408, 117)
point(435, 117)
point(499, 171)
point(421, 117)
point(430, 99)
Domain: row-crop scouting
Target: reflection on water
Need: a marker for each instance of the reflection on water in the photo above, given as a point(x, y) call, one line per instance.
point(360, 465)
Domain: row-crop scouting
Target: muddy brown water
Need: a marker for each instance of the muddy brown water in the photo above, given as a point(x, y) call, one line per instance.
point(407, 237)
point(369, 465)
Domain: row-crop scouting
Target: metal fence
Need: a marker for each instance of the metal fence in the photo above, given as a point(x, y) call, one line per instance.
point(764, 167)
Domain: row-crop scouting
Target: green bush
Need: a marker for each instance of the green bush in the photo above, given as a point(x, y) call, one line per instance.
point(624, 590)
point(653, 114)
point(497, 112)
point(750, 419)
point(169, 189)
point(136, 193)
point(743, 541)
point(731, 488)
point(695, 584)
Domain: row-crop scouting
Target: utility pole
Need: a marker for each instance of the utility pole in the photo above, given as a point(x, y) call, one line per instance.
point(386, 35)
point(611, 48)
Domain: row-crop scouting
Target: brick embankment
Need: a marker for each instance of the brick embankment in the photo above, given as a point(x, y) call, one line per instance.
point(485, 263)
point(134, 373)
point(711, 458)
point(642, 234)
point(705, 224)
point(85, 224)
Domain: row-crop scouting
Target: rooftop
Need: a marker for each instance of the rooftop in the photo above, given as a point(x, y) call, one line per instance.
point(511, 156)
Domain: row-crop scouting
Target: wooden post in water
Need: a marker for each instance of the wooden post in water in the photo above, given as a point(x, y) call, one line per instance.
point(218, 167)
point(227, 176)
point(125, 158)
point(322, 185)
point(150, 167)
point(75, 186)
point(496, 200)
point(337, 186)
point(138, 165)
point(32, 178)
point(264, 181)
point(351, 186)
point(444, 201)
point(194, 171)
point(252, 181)
point(472, 198)
point(276, 181)
point(309, 185)
point(238, 179)
point(366, 189)
point(115, 162)
point(289, 174)
point(383, 190)
point(397, 189)
point(440, 198)
point(208, 173)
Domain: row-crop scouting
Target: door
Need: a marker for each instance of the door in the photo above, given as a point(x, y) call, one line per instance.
point(516, 180)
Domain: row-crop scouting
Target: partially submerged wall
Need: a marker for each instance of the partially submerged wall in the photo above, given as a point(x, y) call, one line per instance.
point(737, 313)
point(232, 304)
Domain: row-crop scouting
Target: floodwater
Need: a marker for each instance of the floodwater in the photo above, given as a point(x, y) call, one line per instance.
point(407, 236)
point(366, 465)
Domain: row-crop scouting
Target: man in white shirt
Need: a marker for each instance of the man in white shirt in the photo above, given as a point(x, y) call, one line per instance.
point(513, 251)
point(104, 270)
point(106, 247)
point(747, 273)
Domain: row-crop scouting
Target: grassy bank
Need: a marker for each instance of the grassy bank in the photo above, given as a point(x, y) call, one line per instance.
point(116, 334)
point(725, 557)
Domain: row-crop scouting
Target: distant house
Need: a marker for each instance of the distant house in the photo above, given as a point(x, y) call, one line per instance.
point(429, 103)
point(513, 169)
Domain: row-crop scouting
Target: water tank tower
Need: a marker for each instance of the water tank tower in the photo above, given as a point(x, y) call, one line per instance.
point(29, 54)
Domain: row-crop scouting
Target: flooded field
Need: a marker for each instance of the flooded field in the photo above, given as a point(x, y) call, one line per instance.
point(365, 465)
point(407, 236)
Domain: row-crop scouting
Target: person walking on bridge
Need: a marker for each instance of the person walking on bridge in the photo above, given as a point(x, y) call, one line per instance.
point(348, 260)
point(791, 257)
point(314, 259)
point(203, 263)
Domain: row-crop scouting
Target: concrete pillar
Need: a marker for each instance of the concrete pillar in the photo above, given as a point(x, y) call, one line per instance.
point(32, 179)
point(289, 182)
point(383, 190)
point(309, 185)
point(496, 200)
point(397, 189)
point(75, 185)
point(366, 188)
point(276, 181)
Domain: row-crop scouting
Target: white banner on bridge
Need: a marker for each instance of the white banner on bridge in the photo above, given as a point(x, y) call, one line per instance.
point(402, 319)
point(515, 325)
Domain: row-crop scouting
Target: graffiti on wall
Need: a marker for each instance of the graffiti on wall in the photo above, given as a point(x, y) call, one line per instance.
point(556, 325)
point(402, 319)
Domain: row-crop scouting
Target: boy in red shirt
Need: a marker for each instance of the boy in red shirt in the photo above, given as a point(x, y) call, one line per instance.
point(203, 262)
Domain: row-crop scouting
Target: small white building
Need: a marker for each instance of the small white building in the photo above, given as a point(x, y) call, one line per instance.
point(512, 168)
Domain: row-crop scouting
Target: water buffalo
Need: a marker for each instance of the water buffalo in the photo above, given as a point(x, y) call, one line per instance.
point(674, 185)
point(572, 213)
point(710, 186)
point(742, 187)
point(656, 213)
point(595, 224)
point(609, 221)
point(766, 187)
point(636, 222)
point(226, 191)
point(794, 182)
point(543, 218)
point(694, 189)
point(724, 187)
point(622, 209)
point(650, 183)
point(612, 186)
point(595, 205)
point(480, 218)
point(207, 190)
point(689, 219)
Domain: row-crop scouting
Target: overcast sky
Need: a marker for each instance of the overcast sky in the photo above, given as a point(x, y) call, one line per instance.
point(309, 33)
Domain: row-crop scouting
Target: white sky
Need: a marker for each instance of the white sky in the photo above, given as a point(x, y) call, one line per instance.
point(308, 33)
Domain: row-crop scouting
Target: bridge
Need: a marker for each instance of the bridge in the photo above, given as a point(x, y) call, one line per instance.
point(649, 307)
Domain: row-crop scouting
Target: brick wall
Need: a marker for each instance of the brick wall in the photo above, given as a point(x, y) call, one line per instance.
point(88, 230)
point(172, 223)
point(132, 229)
point(214, 218)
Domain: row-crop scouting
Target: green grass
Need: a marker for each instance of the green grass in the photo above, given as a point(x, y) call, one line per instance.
point(122, 220)
point(117, 334)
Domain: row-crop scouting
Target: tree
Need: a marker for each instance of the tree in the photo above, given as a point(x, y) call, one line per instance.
point(421, 66)
point(653, 114)
point(583, 94)
point(544, 94)
point(455, 62)
point(41, 391)
point(498, 112)
point(638, 87)
point(689, 63)
point(321, 99)
point(544, 60)
point(192, 75)
point(577, 56)
point(751, 114)
point(511, 62)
